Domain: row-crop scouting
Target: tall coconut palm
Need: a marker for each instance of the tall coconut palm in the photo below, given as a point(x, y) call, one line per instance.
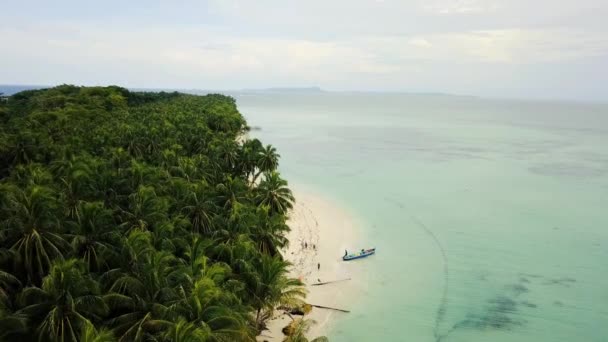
point(215, 310)
point(9, 286)
point(272, 287)
point(77, 183)
point(13, 327)
point(90, 334)
point(66, 303)
point(91, 239)
point(248, 157)
point(146, 209)
point(195, 257)
point(30, 227)
point(200, 209)
point(32, 174)
point(267, 161)
point(301, 327)
point(146, 291)
point(235, 251)
point(184, 331)
point(274, 193)
point(269, 231)
point(228, 155)
point(231, 193)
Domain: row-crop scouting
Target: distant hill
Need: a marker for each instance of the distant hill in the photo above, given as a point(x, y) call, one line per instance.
point(12, 89)
point(287, 90)
point(8, 89)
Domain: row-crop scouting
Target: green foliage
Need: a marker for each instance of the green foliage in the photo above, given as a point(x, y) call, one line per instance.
point(300, 328)
point(130, 216)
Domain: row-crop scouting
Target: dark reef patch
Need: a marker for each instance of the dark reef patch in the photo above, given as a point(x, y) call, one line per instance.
point(499, 314)
point(528, 304)
point(564, 281)
point(518, 289)
point(568, 170)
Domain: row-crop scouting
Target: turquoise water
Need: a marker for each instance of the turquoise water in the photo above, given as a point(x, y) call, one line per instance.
point(490, 217)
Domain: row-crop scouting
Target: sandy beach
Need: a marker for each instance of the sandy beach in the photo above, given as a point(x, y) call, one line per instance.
point(320, 232)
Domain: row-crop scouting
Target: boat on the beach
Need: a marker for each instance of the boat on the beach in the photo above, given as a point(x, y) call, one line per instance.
point(362, 254)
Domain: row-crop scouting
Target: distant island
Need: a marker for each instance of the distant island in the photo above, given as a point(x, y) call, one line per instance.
point(13, 89)
point(287, 90)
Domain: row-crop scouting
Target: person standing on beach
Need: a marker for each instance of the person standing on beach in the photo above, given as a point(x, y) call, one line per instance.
point(306, 245)
point(318, 266)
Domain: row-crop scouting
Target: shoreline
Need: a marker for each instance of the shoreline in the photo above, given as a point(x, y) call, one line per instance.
point(320, 232)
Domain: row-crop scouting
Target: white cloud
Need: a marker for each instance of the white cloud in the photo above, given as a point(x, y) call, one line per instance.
point(198, 54)
point(208, 52)
point(355, 44)
point(459, 6)
point(514, 46)
point(420, 42)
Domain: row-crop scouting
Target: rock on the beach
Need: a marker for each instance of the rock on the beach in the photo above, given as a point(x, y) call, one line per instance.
point(291, 327)
point(301, 310)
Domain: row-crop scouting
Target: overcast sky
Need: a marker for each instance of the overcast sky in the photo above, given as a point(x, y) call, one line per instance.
point(498, 48)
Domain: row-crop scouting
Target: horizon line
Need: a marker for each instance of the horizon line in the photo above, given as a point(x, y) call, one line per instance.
point(318, 89)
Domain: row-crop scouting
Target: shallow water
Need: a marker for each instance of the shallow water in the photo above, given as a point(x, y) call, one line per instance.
point(490, 217)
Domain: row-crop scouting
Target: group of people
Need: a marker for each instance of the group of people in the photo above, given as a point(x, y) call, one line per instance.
point(305, 245)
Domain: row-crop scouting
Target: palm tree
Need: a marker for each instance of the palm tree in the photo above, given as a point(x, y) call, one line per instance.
point(146, 291)
point(90, 334)
point(271, 287)
point(269, 231)
point(91, 239)
point(77, 182)
point(215, 310)
point(30, 228)
point(301, 327)
point(65, 304)
point(273, 192)
point(31, 174)
point(231, 193)
point(146, 209)
point(249, 155)
point(12, 326)
point(199, 209)
point(267, 161)
point(8, 286)
point(227, 153)
point(184, 331)
point(195, 257)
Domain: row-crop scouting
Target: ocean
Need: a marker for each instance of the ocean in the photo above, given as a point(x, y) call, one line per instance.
point(490, 216)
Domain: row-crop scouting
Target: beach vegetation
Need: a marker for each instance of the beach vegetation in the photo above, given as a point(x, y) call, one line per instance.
point(134, 216)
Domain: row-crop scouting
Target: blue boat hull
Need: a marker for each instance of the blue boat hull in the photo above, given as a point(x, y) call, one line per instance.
point(367, 253)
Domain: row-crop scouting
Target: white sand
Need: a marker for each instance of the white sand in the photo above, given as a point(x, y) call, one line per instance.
point(328, 230)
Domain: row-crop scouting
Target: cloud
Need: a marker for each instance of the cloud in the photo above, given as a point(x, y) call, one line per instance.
point(513, 46)
point(435, 45)
point(420, 42)
point(460, 6)
point(199, 53)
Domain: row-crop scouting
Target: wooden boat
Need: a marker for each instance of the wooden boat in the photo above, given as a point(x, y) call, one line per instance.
point(362, 254)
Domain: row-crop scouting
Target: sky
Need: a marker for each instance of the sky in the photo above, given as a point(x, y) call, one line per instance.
point(555, 49)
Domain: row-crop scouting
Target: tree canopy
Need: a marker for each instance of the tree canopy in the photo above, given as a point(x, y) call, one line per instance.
point(131, 216)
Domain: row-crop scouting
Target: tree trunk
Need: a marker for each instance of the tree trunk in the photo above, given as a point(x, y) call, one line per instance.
point(255, 177)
